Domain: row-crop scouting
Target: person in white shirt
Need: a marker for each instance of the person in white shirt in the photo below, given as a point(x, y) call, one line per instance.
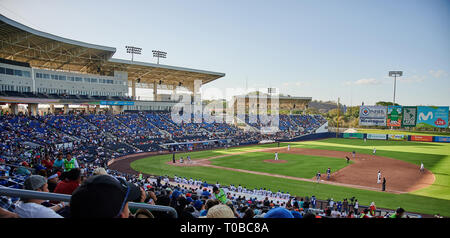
point(276, 155)
point(32, 208)
point(379, 177)
point(331, 203)
point(422, 169)
point(335, 213)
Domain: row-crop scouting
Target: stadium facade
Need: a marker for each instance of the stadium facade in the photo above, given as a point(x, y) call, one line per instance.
point(41, 68)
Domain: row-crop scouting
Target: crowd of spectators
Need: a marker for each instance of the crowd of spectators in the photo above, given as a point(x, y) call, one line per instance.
point(100, 192)
point(68, 154)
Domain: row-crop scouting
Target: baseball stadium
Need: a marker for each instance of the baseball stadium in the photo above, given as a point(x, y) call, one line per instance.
point(74, 130)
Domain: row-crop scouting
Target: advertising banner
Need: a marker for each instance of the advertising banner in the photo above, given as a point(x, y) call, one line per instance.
point(372, 116)
point(117, 103)
point(394, 116)
point(442, 139)
point(397, 137)
point(422, 138)
point(376, 136)
point(409, 116)
point(432, 116)
point(353, 135)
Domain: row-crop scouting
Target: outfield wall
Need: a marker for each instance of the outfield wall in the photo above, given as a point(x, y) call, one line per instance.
point(371, 136)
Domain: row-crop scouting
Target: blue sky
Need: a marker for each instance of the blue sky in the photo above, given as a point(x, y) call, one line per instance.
point(320, 49)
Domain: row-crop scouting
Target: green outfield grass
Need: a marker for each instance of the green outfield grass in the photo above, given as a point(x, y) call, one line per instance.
point(431, 200)
point(399, 132)
point(302, 166)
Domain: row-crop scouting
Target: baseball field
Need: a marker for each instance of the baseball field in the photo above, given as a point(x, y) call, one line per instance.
point(254, 167)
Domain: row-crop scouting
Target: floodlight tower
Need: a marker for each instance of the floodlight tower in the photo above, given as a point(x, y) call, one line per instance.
point(395, 74)
point(133, 50)
point(159, 54)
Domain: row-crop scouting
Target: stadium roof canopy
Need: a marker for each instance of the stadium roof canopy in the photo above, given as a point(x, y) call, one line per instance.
point(43, 50)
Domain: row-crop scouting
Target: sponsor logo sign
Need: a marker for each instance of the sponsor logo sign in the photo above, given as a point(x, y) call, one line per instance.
point(394, 116)
point(396, 137)
point(432, 116)
point(353, 135)
point(376, 136)
point(422, 138)
point(372, 116)
point(442, 139)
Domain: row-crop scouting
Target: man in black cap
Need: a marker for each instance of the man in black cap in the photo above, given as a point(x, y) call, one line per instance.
point(103, 196)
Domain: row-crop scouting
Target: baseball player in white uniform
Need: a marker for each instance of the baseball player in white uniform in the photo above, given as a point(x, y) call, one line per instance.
point(374, 151)
point(422, 169)
point(379, 177)
point(289, 147)
point(276, 155)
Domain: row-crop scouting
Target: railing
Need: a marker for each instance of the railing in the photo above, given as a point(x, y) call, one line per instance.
point(12, 192)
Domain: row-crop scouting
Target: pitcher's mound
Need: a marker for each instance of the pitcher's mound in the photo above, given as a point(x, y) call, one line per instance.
point(280, 161)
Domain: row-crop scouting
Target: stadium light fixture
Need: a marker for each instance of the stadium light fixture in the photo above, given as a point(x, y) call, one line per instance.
point(395, 74)
point(159, 54)
point(133, 50)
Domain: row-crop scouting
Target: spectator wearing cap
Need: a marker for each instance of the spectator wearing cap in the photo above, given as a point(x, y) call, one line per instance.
point(198, 205)
point(103, 196)
point(100, 171)
point(205, 193)
point(220, 211)
point(32, 208)
point(278, 212)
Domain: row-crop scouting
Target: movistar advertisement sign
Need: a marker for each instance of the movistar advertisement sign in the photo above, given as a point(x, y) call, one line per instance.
point(432, 116)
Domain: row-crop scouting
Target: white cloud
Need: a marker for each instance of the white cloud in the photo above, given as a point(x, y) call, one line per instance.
point(369, 81)
point(412, 79)
point(294, 84)
point(438, 73)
